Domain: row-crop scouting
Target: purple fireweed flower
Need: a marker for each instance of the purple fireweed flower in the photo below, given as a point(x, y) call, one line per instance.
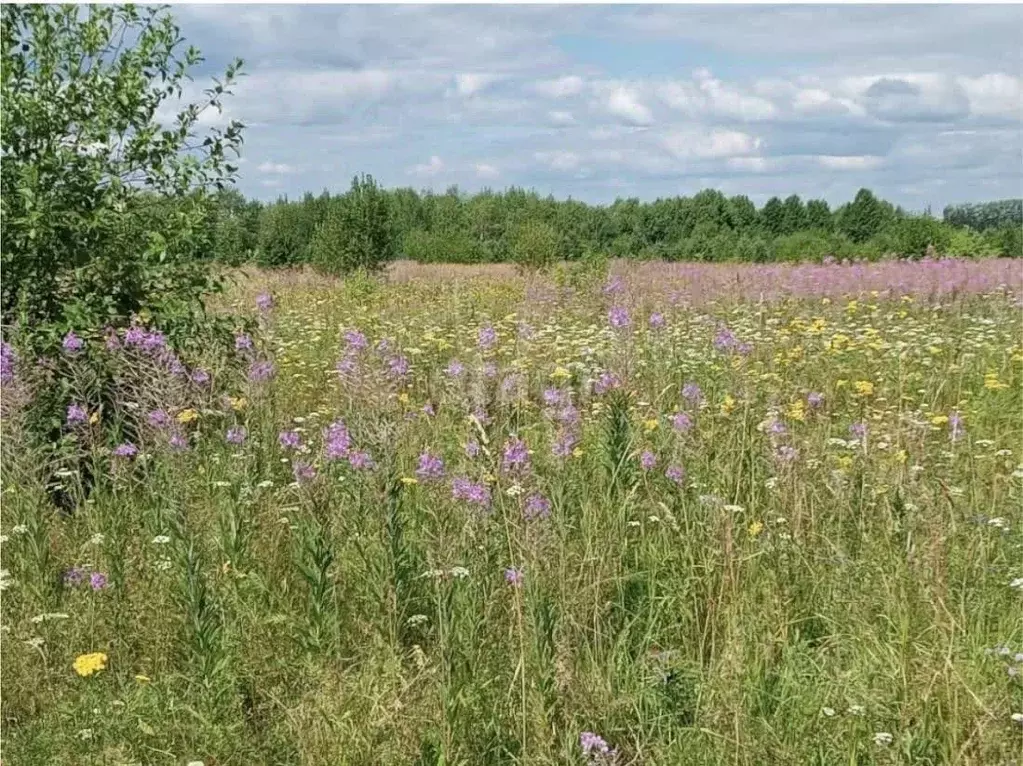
point(490, 370)
point(7, 360)
point(126, 450)
point(97, 581)
point(175, 365)
point(264, 301)
point(724, 340)
point(153, 341)
point(607, 381)
point(513, 576)
point(348, 364)
point(552, 397)
point(383, 345)
point(178, 441)
point(472, 448)
point(516, 455)
point(243, 342)
point(76, 414)
point(486, 338)
point(113, 343)
point(430, 467)
point(476, 494)
point(200, 377)
point(509, 384)
point(303, 471)
point(289, 439)
point(814, 399)
point(454, 368)
point(676, 473)
point(955, 426)
point(72, 343)
point(361, 461)
point(236, 435)
point(569, 416)
point(261, 371)
point(537, 507)
point(618, 317)
point(428, 410)
point(158, 418)
point(614, 286)
point(858, 430)
point(593, 743)
point(563, 444)
point(74, 576)
point(337, 441)
point(681, 422)
point(481, 415)
point(398, 366)
point(776, 428)
point(786, 454)
point(134, 335)
point(691, 393)
point(648, 460)
point(656, 320)
point(356, 341)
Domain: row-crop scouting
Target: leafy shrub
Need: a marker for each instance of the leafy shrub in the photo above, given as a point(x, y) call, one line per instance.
point(535, 245)
point(105, 210)
point(356, 232)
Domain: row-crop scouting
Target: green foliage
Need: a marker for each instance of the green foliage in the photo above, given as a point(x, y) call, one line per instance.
point(986, 215)
point(818, 216)
point(535, 245)
point(913, 236)
point(804, 246)
point(356, 232)
point(105, 209)
point(864, 217)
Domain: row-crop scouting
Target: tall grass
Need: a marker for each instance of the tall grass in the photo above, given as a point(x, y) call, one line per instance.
point(820, 563)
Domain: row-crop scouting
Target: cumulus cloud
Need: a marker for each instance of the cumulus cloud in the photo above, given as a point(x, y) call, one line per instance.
point(428, 169)
point(716, 144)
point(594, 101)
point(853, 162)
point(623, 102)
point(486, 170)
point(277, 168)
point(561, 87)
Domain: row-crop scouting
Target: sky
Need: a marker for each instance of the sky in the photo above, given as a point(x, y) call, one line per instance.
point(922, 104)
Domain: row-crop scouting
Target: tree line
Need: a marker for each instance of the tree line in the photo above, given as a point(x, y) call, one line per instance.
point(370, 225)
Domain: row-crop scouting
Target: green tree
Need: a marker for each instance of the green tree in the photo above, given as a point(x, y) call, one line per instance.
point(87, 164)
point(772, 217)
point(818, 216)
point(793, 215)
point(356, 232)
point(864, 217)
point(535, 245)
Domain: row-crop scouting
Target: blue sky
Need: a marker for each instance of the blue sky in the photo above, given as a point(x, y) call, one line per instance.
point(920, 103)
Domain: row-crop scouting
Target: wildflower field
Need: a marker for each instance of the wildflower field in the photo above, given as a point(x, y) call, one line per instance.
point(677, 514)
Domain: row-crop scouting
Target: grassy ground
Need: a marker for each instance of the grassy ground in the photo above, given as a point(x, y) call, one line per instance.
point(782, 528)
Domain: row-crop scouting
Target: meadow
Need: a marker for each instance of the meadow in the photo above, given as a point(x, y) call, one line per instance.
point(670, 514)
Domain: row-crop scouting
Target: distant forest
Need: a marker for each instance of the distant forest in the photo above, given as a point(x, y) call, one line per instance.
point(369, 225)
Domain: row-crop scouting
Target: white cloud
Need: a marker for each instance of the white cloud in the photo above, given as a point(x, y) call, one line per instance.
point(852, 162)
point(275, 167)
point(714, 144)
point(561, 87)
point(624, 102)
point(994, 95)
point(485, 170)
point(472, 83)
point(750, 164)
point(558, 117)
point(558, 160)
point(428, 169)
